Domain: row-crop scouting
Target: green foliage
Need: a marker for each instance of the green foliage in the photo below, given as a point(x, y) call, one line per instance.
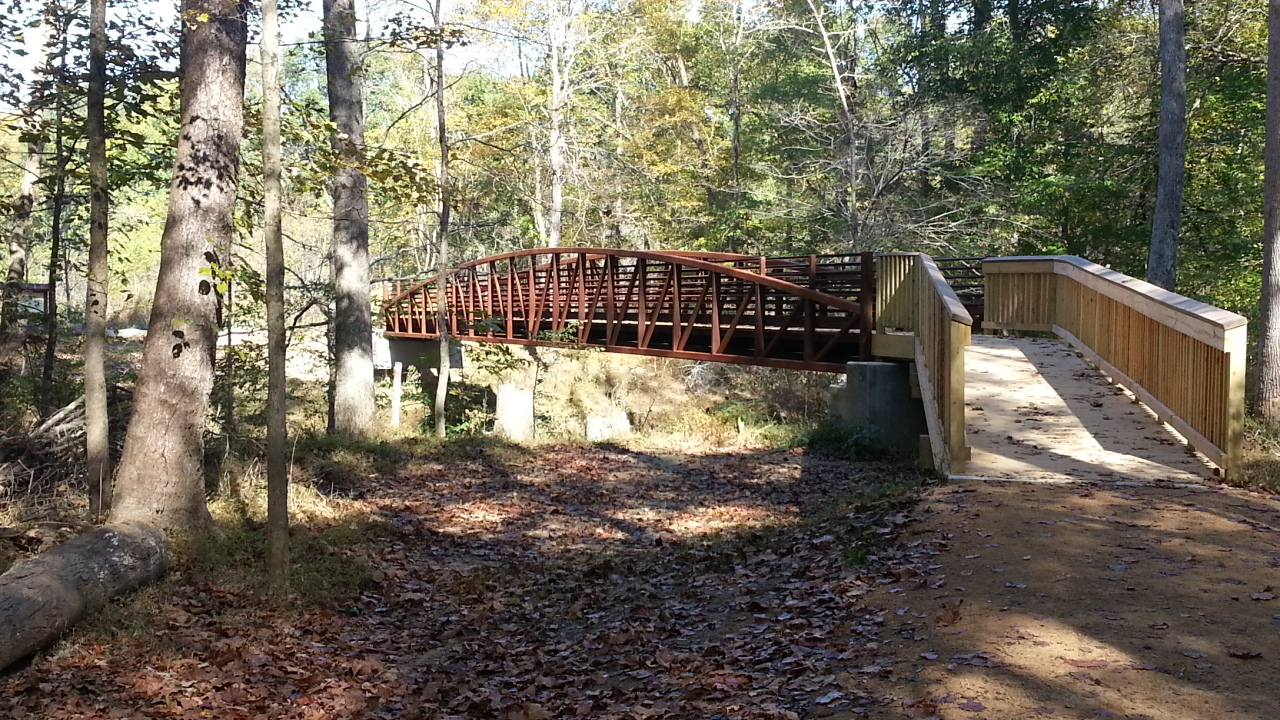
point(841, 439)
point(468, 409)
point(494, 359)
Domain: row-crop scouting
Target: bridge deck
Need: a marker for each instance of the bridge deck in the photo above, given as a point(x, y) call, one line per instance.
point(1036, 411)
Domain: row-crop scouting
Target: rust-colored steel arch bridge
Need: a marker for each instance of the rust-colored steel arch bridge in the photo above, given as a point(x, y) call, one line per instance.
point(812, 312)
point(1181, 358)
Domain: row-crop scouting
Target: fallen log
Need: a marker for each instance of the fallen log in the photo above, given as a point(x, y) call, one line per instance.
point(42, 597)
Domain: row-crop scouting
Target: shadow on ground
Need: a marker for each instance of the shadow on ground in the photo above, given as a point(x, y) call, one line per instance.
point(610, 582)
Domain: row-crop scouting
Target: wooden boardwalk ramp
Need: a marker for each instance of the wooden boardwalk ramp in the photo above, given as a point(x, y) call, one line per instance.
point(1035, 410)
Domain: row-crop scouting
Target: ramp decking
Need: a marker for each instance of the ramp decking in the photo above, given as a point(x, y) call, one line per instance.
point(1035, 410)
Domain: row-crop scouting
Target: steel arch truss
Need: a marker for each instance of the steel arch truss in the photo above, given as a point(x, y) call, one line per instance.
point(779, 312)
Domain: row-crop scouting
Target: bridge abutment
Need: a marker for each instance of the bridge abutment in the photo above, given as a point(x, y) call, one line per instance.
point(882, 395)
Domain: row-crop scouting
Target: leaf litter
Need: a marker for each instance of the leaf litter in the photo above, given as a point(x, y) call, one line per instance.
point(570, 582)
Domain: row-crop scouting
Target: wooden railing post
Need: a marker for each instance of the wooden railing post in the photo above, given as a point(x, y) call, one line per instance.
point(866, 305)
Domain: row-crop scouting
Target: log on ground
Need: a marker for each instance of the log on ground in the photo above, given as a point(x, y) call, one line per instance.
point(42, 597)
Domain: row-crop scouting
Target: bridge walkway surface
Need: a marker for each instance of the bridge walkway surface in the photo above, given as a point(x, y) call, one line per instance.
point(1035, 410)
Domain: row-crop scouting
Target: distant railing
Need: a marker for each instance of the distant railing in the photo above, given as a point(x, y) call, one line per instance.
point(1182, 358)
point(912, 295)
point(780, 312)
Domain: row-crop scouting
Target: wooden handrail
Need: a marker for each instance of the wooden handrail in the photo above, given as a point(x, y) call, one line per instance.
point(1182, 358)
point(947, 296)
point(943, 329)
point(913, 296)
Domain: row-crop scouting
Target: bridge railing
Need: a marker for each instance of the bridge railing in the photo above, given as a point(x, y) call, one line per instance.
point(1182, 358)
point(914, 296)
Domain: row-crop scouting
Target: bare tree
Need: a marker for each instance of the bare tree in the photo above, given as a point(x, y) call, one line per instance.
point(352, 322)
point(442, 229)
point(1267, 384)
point(97, 450)
point(160, 480)
point(842, 64)
point(277, 432)
point(1166, 222)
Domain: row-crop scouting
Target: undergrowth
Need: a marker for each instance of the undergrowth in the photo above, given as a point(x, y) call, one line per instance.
point(1260, 467)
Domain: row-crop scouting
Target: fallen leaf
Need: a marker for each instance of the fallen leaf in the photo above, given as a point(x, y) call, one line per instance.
point(949, 614)
point(829, 697)
point(1087, 663)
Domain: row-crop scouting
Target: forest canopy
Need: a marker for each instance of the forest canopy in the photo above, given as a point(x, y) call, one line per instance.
point(776, 128)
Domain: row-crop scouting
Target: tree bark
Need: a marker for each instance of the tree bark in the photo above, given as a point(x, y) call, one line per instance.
point(97, 451)
point(352, 315)
point(42, 597)
point(1166, 223)
point(442, 229)
point(1266, 387)
point(160, 480)
point(277, 432)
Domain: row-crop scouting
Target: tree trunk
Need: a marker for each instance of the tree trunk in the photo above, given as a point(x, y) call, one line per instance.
point(57, 202)
point(42, 597)
point(352, 314)
point(560, 64)
point(442, 229)
point(277, 431)
point(1017, 24)
point(1266, 387)
point(20, 233)
point(1166, 222)
point(160, 479)
point(97, 451)
point(848, 126)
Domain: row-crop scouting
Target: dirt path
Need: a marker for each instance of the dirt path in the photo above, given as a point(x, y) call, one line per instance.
point(607, 583)
point(1089, 602)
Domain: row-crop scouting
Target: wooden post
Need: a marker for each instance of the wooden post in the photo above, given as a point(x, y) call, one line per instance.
point(397, 387)
point(1235, 346)
point(866, 305)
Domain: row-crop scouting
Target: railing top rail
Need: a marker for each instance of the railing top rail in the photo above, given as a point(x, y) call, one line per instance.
point(1118, 285)
point(950, 300)
point(674, 258)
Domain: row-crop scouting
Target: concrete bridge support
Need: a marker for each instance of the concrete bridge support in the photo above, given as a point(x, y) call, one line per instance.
point(885, 396)
point(422, 354)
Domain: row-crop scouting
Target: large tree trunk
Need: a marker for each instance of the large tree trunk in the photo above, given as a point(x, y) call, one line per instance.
point(442, 232)
point(277, 430)
point(20, 233)
point(1166, 223)
point(352, 319)
point(97, 452)
point(42, 597)
point(160, 479)
point(1267, 383)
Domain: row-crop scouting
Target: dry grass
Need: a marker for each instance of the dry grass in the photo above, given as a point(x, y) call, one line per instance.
point(1260, 469)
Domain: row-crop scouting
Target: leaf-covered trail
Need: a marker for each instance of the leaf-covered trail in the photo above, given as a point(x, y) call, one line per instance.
point(601, 582)
point(570, 582)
